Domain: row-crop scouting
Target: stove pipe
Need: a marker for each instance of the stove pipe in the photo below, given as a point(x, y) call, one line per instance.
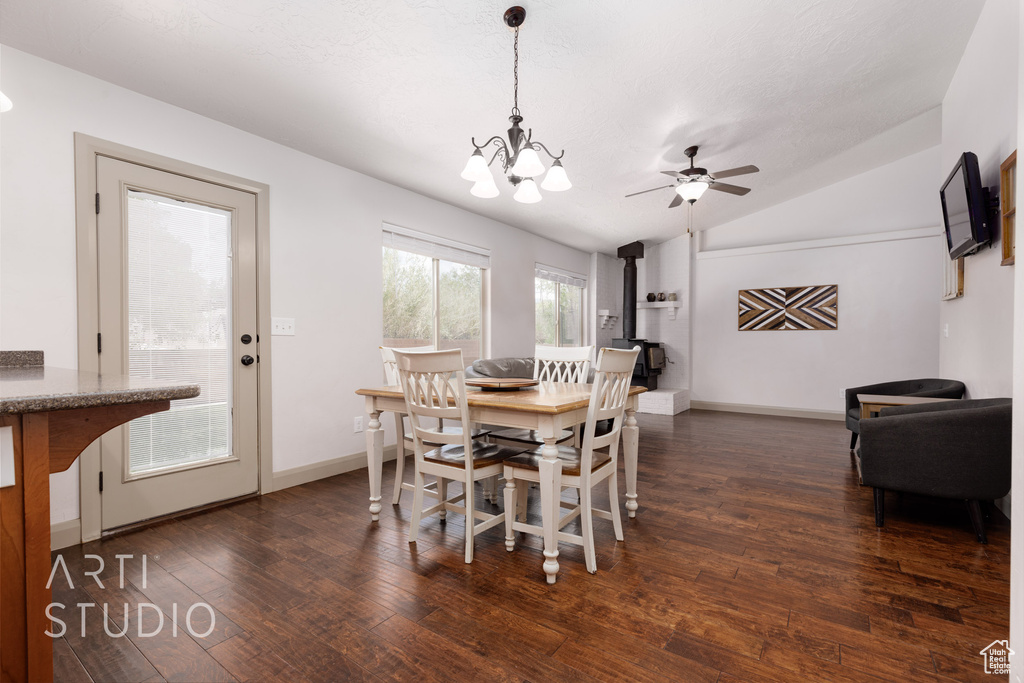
point(630, 252)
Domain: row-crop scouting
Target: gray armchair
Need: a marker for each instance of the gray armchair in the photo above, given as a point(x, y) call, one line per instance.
point(934, 388)
point(954, 449)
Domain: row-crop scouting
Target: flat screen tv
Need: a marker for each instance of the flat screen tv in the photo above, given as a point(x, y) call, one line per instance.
point(964, 208)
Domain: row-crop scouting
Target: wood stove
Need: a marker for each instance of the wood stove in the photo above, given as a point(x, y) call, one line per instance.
point(651, 359)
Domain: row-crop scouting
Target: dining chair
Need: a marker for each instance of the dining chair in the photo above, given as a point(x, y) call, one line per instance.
point(403, 437)
point(582, 468)
point(434, 386)
point(551, 364)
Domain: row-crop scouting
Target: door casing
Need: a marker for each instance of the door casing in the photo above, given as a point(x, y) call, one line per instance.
point(87, 148)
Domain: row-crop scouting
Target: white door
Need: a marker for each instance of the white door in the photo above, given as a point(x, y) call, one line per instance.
point(177, 301)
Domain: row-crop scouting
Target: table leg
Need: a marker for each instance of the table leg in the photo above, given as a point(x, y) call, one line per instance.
point(550, 491)
point(375, 461)
point(630, 446)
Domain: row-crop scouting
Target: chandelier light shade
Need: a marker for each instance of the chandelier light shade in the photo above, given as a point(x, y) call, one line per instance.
point(556, 180)
point(476, 168)
point(692, 190)
point(527, 192)
point(485, 189)
point(519, 159)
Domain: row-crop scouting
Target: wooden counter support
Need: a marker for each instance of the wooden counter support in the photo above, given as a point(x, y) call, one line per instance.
point(44, 442)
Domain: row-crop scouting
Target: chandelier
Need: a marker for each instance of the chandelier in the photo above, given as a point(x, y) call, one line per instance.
point(519, 159)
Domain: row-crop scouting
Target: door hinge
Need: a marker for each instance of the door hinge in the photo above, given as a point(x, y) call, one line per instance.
point(97, 202)
point(101, 481)
point(99, 343)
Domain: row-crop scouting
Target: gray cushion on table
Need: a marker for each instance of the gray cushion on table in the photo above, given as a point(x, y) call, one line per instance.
point(504, 367)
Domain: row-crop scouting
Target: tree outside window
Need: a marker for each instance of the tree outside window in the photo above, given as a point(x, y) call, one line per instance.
point(559, 317)
point(432, 302)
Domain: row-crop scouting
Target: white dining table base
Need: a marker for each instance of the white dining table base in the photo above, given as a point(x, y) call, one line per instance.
point(549, 428)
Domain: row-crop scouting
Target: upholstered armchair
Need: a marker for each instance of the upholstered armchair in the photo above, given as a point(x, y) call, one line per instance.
point(949, 449)
point(934, 388)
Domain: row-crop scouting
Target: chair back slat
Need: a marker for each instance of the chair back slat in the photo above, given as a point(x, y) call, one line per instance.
point(612, 378)
point(434, 386)
point(387, 355)
point(562, 364)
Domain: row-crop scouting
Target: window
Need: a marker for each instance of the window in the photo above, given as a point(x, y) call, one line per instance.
point(433, 292)
point(559, 301)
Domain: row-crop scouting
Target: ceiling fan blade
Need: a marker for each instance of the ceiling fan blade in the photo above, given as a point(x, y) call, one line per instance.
point(731, 189)
point(674, 174)
point(650, 190)
point(676, 201)
point(729, 173)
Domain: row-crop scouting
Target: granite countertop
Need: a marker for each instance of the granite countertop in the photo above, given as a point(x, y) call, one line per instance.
point(38, 388)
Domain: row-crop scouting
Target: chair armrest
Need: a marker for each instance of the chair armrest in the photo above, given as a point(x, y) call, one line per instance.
point(942, 406)
point(939, 452)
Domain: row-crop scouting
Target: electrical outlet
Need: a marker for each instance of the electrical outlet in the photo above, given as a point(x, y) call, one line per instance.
point(282, 326)
point(357, 424)
point(842, 394)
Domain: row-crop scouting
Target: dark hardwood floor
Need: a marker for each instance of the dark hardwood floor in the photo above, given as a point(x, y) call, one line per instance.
point(754, 557)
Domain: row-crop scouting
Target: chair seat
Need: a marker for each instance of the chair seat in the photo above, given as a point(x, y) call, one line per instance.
point(483, 454)
point(571, 460)
point(528, 437)
point(475, 434)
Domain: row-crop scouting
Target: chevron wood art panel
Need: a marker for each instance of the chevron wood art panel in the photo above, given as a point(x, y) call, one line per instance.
point(790, 308)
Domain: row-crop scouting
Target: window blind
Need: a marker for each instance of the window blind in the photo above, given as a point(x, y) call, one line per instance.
point(421, 243)
point(558, 275)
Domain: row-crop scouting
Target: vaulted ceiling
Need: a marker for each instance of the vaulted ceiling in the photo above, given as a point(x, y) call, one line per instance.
point(395, 89)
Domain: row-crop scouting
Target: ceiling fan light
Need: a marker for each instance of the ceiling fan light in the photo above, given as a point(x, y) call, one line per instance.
point(556, 180)
point(485, 188)
point(527, 163)
point(527, 192)
point(476, 168)
point(692, 190)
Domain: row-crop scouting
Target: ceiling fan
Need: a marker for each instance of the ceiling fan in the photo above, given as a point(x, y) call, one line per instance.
point(692, 182)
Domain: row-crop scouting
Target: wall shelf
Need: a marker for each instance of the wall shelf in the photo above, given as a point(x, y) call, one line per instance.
point(607, 318)
point(671, 306)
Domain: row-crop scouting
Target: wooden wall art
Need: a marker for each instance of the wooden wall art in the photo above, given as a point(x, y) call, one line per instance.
point(790, 308)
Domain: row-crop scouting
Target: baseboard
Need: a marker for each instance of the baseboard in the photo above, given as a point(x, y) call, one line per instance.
point(328, 468)
point(836, 415)
point(65, 534)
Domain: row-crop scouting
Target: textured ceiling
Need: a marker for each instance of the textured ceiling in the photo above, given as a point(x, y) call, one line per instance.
point(395, 89)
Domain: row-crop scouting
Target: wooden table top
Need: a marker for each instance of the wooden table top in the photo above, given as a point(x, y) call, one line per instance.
point(551, 398)
point(886, 400)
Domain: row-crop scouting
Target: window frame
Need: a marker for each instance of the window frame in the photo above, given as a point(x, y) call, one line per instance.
point(439, 249)
point(559, 277)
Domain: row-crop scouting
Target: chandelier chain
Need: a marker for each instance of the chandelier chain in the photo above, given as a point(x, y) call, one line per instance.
point(515, 75)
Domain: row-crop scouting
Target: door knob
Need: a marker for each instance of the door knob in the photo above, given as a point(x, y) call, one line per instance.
point(248, 360)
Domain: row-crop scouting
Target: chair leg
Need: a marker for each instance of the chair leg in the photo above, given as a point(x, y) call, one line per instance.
point(613, 502)
point(470, 524)
point(442, 496)
point(853, 440)
point(417, 507)
point(510, 513)
point(400, 460)
point(974, 508)
point(879, 507)
point(587, 527)
point(522, 500)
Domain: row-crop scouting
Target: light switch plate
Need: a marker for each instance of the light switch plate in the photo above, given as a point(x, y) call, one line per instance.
point(282, 327)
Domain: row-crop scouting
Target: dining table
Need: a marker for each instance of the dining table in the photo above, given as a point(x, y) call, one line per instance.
point(548, 408)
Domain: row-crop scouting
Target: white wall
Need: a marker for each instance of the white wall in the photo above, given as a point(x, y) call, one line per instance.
point(325, 224)
point(666, 268)
point(605, 292)
point(888, 292)
point(979, 114)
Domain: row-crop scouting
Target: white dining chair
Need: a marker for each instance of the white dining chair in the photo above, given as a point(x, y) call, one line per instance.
point(551, 364)
point(434, 386)
point(582, 468)
point(403, 436)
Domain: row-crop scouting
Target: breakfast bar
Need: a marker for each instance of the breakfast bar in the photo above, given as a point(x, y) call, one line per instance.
point(48, 416)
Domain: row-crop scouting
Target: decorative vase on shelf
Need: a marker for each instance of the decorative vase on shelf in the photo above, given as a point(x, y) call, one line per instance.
point(650, 296)
point(671, 296)
point(661, 296)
